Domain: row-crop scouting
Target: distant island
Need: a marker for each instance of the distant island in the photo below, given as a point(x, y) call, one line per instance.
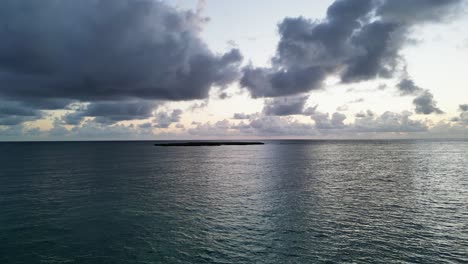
point(209, 143)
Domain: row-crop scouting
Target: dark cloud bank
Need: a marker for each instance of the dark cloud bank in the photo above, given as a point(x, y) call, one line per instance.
point(117, 60)
point(358, 40)
point(104, 52)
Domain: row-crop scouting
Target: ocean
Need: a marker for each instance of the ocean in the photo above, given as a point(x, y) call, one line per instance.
point(396, 201)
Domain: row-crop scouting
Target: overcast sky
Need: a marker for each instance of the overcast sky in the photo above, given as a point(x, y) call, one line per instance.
point(187, 69)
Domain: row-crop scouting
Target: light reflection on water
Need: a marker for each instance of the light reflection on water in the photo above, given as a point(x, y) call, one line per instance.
point(337, 201)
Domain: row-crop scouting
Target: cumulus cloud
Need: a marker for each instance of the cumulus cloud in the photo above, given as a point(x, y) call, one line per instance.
point(387, 122)
point(463, 118)
point(323, 120)
point(358, 40)
point(424, 100)
point(218, 129)
point(425, 104)
point(310, 110)
point(97, 131)
point(89, 130)
point(56, 52)
point(199, 106)
point(165, 119)
point(362, 114)
point(408, 87)
point(283, 106)
point(280, 126)
point(259, 125)
point(367, 124)
point(324, 125)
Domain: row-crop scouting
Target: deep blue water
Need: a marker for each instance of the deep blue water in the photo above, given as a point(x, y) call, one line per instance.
point(283, 202)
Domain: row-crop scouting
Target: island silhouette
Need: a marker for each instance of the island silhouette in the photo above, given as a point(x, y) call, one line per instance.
point(207, 143)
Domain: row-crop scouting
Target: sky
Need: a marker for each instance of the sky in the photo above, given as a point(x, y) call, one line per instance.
point(219, 69)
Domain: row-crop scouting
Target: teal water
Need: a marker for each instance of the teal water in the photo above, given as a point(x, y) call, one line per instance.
point(283, 202)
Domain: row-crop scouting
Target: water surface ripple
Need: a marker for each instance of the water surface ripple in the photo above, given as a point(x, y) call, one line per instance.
point(282, 202)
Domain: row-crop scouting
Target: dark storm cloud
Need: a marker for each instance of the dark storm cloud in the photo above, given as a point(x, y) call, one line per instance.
point(112, 112)
point(425, 104)
point(358, 40)
point(376, 53)
point(73, 119)
point(463, 107)
point(264, 82)
point(408, 87)
point(307, 52)
point(165, 119)
point(283, 106)
point(56, 52)
point(14, 113)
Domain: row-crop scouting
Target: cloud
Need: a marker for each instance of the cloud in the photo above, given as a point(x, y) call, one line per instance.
point(358, 41)
point(323, 121)
point(240, 116)
point(14, 113)
point(283, 106)
point(387, 122)
point(219, 129)
point(310, 110)
point(449, 130)
point(463, 118)
point(417, 11)
point(368, 113)
point(326, 125)
point(408, 87)
point(425, 104)
point(74, 118)
point(342, 108)
point(278, 126)
point(367, 124)
point(19, 132)
point(97, 131)
point(88, 130)
point(224, 96)
point(381, 87)
point(258, 126)
point(53, 53)
point(112, 112)
point(424, 101)
point(165, 119)
point(199, 106)
point(345, 107)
